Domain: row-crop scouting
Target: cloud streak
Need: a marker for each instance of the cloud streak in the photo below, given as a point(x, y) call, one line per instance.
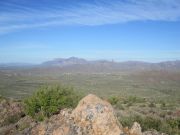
point(14, 16)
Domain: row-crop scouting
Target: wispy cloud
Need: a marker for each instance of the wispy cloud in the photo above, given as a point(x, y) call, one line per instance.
point(17, 16)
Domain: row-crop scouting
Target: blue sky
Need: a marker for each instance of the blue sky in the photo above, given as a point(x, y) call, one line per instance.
point(34, 31)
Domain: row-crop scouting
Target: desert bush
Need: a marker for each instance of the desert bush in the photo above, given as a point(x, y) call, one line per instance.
point(146, 123)
point(129, 101)
point(169, 126)
point(173, 123)
point(113, 100)
point(49, 100)
point(133, 99)
point(126, 121)
point(151, 123)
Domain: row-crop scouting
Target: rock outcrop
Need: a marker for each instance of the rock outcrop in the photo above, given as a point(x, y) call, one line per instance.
point(92, 116)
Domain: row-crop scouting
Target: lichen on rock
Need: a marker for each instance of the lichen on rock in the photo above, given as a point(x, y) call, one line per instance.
point(96, 116)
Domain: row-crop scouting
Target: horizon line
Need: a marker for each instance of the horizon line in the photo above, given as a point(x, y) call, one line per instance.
point(92, 59)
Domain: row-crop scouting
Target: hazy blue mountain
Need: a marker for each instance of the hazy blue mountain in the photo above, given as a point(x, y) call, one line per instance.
point(82, 65)
point(65, 62)
point(74, 64)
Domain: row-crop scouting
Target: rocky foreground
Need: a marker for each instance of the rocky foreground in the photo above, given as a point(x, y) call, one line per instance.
point(92, 116)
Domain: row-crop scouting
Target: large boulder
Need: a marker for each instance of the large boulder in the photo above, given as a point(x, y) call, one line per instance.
point(94, 116)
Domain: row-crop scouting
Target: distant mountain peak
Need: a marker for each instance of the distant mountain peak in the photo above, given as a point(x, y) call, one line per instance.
point(65, 61)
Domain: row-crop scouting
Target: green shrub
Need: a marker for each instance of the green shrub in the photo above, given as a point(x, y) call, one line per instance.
point(49, 100)
point(125, 100)
point(133, 99)
point(113, 100)
point(151, 123)
point(126, 121)
point(169, 126)
point(174, 123)
point(145, 122)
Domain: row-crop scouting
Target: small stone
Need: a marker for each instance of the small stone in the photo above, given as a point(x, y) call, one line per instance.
point(136, 129)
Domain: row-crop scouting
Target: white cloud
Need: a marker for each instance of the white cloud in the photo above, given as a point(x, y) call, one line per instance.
point(99, 13)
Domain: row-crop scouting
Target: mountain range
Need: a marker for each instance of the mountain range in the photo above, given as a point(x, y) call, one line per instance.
point(105, 65)
point(83, 65)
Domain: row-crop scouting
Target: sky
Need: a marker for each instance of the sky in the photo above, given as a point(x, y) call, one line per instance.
point(34, 31)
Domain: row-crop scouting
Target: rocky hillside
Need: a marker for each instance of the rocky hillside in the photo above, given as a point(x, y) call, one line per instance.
point(92, 116)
